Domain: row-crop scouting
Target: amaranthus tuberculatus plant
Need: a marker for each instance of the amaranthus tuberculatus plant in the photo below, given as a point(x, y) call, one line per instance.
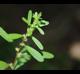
point(24, 52)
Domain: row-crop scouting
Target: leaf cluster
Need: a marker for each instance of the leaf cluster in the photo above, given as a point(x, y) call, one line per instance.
point(25, 52)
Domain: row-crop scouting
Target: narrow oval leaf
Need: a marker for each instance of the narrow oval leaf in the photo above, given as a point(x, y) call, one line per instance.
point(25, 20)
point(45, 22)
point(42, 25)
point(22, 60)
point(3, 65)
point(18, 66)
point(29, 16)
point(35, 54)
point(41, 31)
point(47, 55)
point(39, 15)
point(5, 35)
point(26, 56)
point(37, 42)
point(35, 15)
point(15, 36)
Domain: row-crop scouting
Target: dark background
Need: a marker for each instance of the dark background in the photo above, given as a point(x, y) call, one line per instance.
point(62, 30)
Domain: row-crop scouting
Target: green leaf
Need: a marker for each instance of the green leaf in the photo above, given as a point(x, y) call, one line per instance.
point(18, 66)
point(35, 54)
point(5, 35)
point(37, 42)
point(35, 15)
point(29, 16)
point(44, 22)
point(3, 65)
point(40, 30)
point(15, 36)
point(22, 60)
point(42, 25)
point(25, 20)
point(39, 15)
point(26, 56)
point(47, 55)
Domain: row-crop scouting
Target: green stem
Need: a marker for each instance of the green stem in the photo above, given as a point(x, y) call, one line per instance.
point(28, 34)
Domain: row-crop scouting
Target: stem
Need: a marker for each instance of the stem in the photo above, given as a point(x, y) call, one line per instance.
point(28, 34)
point(12, 65)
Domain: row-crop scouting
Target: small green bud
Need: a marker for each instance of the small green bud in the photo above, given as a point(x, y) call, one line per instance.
point(22, 44)
point(17, 49)
point(24, 37)
point(11, 66)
